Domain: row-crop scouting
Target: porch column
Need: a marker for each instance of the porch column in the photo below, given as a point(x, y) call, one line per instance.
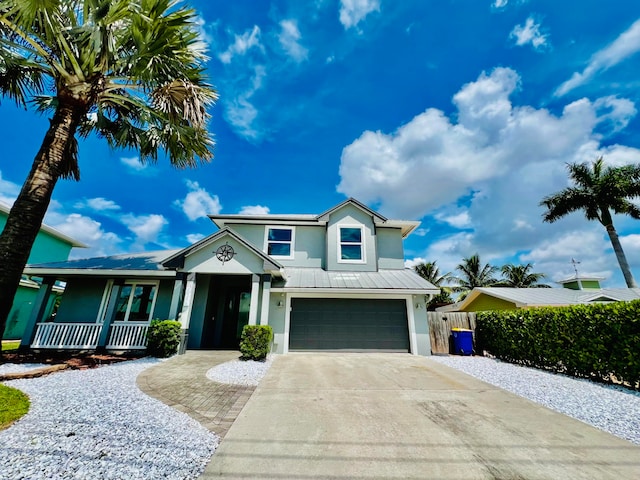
point(37, 312)
point(178, 287)
point(253, 305)
point(187, 303)
point(110, 314)
point(266, 295)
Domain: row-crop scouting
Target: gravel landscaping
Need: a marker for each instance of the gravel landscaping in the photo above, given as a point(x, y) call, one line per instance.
point(240, 372)
point(613, 409)
point(96, 424)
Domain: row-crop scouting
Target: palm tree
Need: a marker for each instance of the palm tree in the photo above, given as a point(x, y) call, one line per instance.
point(599, 191)
point(474, 274)
point(520, 276)
point(431, 273)
point(130, 71)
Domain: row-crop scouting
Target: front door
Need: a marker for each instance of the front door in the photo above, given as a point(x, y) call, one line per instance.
point(235, 315)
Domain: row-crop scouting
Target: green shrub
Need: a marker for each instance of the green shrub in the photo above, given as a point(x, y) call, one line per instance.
point(598, 341)
point(255, 342)
point(163, 338)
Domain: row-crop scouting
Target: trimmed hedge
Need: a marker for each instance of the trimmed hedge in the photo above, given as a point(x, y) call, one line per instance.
point(255, 342)
point(599, 341)
point(163, 338)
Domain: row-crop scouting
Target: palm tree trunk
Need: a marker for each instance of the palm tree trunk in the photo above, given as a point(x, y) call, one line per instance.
point(622, 259)
point(27, 213)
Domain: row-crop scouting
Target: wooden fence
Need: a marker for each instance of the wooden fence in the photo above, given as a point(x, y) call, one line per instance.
point(440, 325)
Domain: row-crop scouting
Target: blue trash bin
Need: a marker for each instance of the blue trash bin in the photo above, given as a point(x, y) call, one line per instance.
point(462, 341)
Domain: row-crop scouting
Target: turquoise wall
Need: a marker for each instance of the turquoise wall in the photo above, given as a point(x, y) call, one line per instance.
point(81, 300)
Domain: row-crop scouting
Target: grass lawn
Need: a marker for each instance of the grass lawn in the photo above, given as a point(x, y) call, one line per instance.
point(13, 405)
point(8, 345)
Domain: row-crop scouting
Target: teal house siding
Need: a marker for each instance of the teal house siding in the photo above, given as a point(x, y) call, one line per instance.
point(81, 300)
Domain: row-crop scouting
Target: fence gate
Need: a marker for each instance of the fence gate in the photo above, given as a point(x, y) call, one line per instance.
point(440, 325)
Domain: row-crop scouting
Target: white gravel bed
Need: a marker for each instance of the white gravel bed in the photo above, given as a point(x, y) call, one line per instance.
point(97, 424)
point(613, 409)
point(240, 372)
point(20, 367)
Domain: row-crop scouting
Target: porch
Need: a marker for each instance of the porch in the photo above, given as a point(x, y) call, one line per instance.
point(86, 336)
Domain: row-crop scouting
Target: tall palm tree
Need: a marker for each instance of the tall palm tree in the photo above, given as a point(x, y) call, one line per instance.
point(520, 276)
point(474, 274)
point(431, 273)
point(130, 71)
point(599, 190)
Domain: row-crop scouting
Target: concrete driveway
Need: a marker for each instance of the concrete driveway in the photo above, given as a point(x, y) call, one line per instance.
point(397, 416)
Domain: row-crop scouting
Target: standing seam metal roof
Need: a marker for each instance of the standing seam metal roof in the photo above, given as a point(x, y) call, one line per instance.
point(310, 278)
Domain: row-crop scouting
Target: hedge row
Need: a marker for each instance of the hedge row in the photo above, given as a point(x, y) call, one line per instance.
point(599, 341)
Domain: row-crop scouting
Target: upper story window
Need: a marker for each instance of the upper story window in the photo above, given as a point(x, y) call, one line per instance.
point(135, 303)
point(280, 241)
point(351, 240)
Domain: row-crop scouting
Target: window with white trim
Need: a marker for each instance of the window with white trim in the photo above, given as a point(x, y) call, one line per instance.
point(135, 302)
point(351, 244)
point(279, 241)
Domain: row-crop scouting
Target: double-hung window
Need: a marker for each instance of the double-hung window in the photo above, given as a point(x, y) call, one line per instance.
point(135, 302)
point(351, 240)
point(280, 242)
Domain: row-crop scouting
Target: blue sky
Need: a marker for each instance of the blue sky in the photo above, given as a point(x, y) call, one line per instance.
point(458, 113)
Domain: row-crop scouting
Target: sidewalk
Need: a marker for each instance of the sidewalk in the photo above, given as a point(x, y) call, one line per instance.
point(181, 383)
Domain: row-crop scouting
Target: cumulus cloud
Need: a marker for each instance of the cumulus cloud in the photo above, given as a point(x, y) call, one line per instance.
point(289, 39)
point(254, 210)
point(242, 44)
point(99, 204)
point(88, 231)
point(8, 191)
point(198, 203)
point(485, 168)
point(146, 228)
point(194, 237)
point(240, 112)
point(623, 47)
point(353, 12)
point(529, 33)
point(500, 3)
point(135, 166)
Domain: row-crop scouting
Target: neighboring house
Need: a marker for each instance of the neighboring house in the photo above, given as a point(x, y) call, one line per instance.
point(50, 246)
point(576, 290)
point(334, 281)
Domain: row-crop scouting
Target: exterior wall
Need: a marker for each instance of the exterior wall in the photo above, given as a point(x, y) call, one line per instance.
point(21, 311)
point(390, 248)
point(485, 302)
point(163, 300)
point(420, 328)
point(308, 243)
point(277, 321)
point(350, 215)
point(81, 300)
point(198, 311)
point(590, 284)
point(204, 260)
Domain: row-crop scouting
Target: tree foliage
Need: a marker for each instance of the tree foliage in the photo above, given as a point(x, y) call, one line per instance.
point(472, 274)
point(521, 276)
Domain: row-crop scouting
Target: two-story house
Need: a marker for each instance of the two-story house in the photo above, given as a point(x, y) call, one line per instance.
point(333, 281)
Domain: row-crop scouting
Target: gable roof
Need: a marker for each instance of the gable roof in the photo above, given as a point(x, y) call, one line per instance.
point(4, 208)
point(177, 259)
point(540, 297)
point(127, 264)
point(406, 226)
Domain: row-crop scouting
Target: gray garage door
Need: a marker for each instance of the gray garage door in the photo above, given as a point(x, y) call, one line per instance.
point(348, 324)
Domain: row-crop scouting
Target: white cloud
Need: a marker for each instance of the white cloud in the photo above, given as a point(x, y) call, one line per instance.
point(240, 112)
point(421, 232)
point(459, 220)
point(87, 231)
point(254, 210)
point(529, 33)
point(353, 12)
point(242, 44)
point(623, 47)
point(145, 227)
point(198, 203)
point(8, 191)
point(194, 237)
point(500, 3)
point(289, 39)
point(134, 165)
point(410, 263)
point(98, 204)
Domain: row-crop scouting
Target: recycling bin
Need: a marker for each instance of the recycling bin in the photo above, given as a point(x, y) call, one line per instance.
point(462, 341)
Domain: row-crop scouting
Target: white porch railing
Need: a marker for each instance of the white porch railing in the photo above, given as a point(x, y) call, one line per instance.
point(67, 335)
point(128, 336)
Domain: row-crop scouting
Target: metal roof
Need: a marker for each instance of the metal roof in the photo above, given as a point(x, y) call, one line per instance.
point(144, 261)
point(382, 280)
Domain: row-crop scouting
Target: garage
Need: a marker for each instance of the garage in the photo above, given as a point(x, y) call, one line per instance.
point(349, 324)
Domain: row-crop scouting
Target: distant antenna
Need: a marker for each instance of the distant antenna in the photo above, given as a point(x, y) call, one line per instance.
point(575, 264)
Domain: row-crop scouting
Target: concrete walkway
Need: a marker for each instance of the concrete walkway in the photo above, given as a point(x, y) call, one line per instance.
point(181, 383)
point(397, 416)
